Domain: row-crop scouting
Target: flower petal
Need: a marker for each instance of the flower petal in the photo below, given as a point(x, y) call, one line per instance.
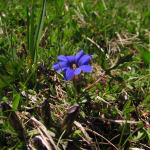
point(63, 64)
point(84, 60)
point(71, 60)
point(78, 56)
point(62, 69)
point(62, 58)
point(77, 71)
point(68, 74)
point(86, 68)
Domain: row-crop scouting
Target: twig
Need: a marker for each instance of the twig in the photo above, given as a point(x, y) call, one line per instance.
point(93, 42)
point(102, 137)
point(43, 139)
point(43, 128)
point(142, 78)
point(145, 146)
point(117, 121)
point(96, 81)
point(120, 113)
point(85, 134)
point(119, 38)
point(2, 117)
point(104, 4)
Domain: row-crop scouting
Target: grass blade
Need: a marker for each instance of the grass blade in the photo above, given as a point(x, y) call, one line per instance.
point(38, 31)
point(32, 33)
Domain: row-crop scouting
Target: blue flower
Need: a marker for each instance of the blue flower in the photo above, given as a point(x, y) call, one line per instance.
point(72, 65)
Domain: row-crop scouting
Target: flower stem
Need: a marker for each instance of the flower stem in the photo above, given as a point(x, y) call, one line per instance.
point(77, 83)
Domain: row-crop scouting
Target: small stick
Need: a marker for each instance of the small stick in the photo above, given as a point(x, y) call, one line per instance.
point(104, 4)
point(103, 138)
point(96, 81)
point(43, 128)
point(117, 121)
point(120, 113)
point(85, 134)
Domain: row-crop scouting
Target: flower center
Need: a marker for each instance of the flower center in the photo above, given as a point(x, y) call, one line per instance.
point(74, 66)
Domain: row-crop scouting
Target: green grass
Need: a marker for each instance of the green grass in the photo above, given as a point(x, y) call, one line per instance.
point(115, 98)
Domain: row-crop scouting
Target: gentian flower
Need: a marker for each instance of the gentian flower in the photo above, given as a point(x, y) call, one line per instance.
point(13, 119)
point(72, 65)
point(69, 119)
